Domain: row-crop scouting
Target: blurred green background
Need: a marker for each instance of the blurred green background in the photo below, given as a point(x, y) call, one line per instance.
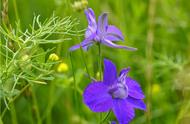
point(160, 29)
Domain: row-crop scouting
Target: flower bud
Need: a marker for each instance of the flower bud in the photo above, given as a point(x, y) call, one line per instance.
point(53, 57)
point(62, 67)
point(155, 88)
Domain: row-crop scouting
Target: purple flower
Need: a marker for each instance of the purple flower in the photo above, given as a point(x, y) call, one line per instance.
point(120, 93)
point(100, 32)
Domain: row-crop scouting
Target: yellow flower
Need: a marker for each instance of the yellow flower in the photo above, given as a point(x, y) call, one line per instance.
point(53, 57)
point(155, 88)
point(62, 67)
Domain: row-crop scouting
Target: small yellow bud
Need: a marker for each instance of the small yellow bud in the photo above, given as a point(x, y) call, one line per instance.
point(53, 57)
point(62, 67)
point(155, 88)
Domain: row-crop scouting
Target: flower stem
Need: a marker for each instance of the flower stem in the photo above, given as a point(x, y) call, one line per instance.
point(14, 98)
point(105, 118)
point(83, 58)
point(100, 69)
point(75, 84)
point(82, 53)
point(1, 122)
point(13, 114)
point(100, 60)
point(149, 69)
point(50, 103)
point(37, 111)
point(4, 12)
point(16, 10)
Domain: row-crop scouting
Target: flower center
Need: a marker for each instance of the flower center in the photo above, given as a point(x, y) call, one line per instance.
point(119, 90)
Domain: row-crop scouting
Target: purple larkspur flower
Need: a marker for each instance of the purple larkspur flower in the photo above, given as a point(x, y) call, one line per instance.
point(122, 94)
point(100, 32)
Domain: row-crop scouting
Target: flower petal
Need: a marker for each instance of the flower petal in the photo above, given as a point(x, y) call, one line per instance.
point(102, 24)
point(111, 44)
point(114, 34)
point(123, 111)
point(110, 72)
point(124, 71)
point(137, 103)
point(96, 97)
point(134, 89)
point(85, 44)
point(92, 26)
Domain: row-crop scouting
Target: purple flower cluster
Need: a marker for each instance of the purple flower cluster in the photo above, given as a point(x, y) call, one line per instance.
point(119, 93)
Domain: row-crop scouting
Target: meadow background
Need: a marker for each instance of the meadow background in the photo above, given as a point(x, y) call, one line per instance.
point(160, 29)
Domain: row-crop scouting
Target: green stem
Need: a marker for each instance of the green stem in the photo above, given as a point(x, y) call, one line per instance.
point(100, 60)
point(1, 38)
point(105, 118)
point(1, 121)
point(50, 103)
point(35, 104)
point(14, 98)
point(4, 12)
point(13, 114)
point(149, 55)
point(15, 10)
point(82, 52)
point(100, 69)
point(83, 58)
point(75, 84)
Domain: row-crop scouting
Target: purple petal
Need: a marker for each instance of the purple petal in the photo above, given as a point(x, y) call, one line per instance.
point(111, 44)
point(96, 97)
point(124, 71)
point(110, 72)
point(92, 26)
point(123, 74)
point(123, 111)
point(137, 103)
point(114, 34)
point(85, 44)
point(134, 89)
point(102, 23)
point(85, 48)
